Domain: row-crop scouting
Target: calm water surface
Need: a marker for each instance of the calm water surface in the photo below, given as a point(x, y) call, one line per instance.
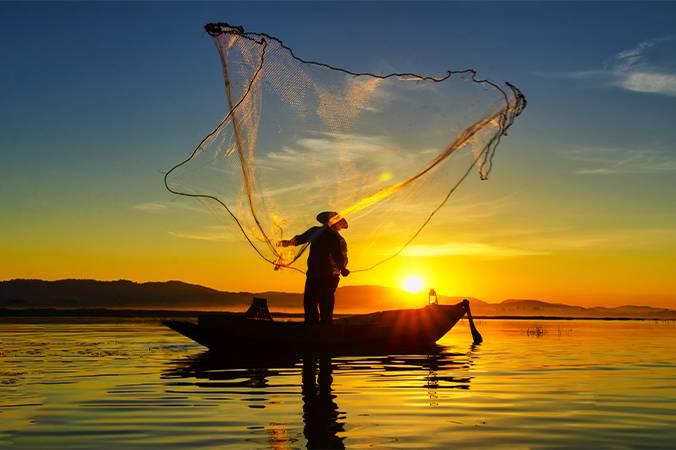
point(135, 384)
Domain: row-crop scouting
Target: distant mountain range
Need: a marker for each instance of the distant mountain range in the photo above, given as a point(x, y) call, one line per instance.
point(176, 295)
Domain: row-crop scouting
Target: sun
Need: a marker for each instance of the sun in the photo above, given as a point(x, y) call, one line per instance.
point(413, 284)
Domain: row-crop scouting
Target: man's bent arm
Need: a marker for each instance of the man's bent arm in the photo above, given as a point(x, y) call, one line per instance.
point(339, 253)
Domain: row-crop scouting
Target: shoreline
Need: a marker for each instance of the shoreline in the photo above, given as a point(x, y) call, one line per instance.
point(6, 314)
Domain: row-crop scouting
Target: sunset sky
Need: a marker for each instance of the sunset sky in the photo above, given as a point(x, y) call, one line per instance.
point(98, 100)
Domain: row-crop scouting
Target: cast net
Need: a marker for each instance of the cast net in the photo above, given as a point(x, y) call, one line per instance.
point(299, 137)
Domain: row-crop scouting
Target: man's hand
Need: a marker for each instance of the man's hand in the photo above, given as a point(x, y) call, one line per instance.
point(344, 272)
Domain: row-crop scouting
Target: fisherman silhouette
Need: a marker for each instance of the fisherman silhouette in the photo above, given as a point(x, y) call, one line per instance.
point(326, 262)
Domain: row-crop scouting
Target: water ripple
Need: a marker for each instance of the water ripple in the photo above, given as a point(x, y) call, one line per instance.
point(138, 385)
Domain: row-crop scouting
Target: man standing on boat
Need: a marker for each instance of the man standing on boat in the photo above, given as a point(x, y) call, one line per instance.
point(326, 262)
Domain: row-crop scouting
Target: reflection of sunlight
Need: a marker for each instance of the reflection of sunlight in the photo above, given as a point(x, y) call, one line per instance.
point(385, 176)
point(413, 284)
point(279, 437)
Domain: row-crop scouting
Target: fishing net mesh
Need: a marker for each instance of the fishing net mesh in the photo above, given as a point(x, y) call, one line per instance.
point(300, 137)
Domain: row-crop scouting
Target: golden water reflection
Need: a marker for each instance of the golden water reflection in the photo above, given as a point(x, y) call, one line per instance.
point(135, 384)
point(324, 423)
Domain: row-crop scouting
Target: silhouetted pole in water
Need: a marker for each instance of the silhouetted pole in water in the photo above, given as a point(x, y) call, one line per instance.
point(476, 336)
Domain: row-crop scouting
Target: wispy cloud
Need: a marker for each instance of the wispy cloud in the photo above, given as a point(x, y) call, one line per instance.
point(151, 207)
point(469, 211)
point(636, 69)
point(525, 242)
point(652, 83)
point(356, 143)
point(512, 243)
point(329, 147)
point(613, 161)
point(468, 249)
point(158, 207)
point(628, 59)
point(617, 238)
point(350, 163)
point(316, 184)
point(210, 233)
point(323, 147)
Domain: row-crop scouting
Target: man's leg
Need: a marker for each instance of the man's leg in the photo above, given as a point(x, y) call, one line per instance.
point(327, 299)
point(310, 301)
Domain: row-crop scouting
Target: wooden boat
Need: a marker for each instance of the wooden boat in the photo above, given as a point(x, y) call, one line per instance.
point(387, 330)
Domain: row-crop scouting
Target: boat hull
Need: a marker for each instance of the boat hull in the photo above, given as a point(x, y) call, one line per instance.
point(386, 330)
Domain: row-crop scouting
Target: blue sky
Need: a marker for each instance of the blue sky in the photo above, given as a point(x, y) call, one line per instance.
point(119, 75)
point(97, 99)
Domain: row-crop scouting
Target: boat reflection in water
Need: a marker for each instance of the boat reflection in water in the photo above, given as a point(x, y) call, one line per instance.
point(270, 385)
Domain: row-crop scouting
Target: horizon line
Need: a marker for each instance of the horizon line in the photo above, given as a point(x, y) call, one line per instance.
point(340, 287)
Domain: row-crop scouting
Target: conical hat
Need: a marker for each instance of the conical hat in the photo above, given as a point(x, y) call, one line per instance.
point(329, 218)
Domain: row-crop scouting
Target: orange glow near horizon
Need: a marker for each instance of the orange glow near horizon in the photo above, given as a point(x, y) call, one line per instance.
point(597, 267)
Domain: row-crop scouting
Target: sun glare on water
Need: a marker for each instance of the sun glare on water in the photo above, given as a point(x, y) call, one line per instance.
point(413, 284)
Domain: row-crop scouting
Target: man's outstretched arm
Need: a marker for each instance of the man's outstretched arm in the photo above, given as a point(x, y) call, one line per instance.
point(299, 239)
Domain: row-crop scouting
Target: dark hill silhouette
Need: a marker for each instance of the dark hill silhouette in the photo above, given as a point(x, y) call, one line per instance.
point(176, 295)
point(126, 294)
